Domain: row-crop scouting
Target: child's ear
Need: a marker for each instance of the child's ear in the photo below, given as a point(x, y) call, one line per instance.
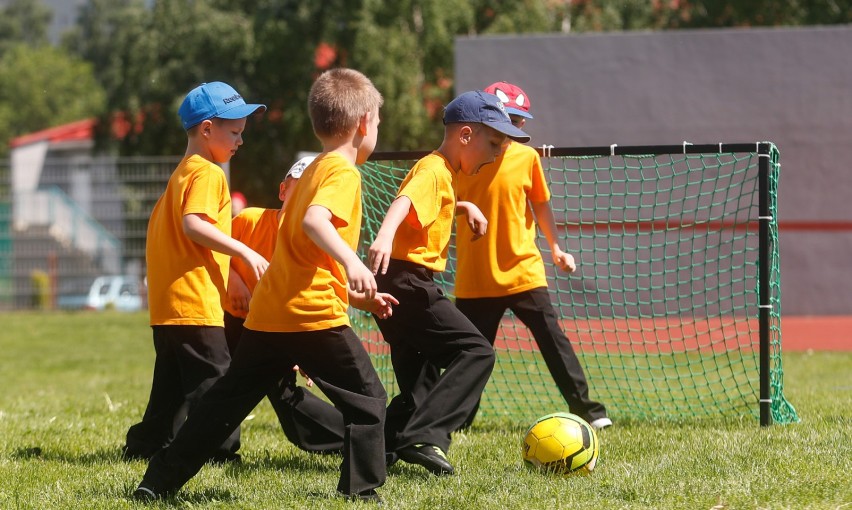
point(363, 123)
point(205, 127)
point(465, 134)
point(281, 190)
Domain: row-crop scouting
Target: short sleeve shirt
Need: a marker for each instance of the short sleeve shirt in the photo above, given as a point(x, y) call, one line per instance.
point(186, 281)
point(305, 289)
point(257, 228)
point(424, 236)
point(506, 260)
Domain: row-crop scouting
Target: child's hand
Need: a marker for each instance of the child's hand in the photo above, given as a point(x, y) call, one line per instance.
point(238, 293)
point(564, 261)
point(255, 262)
point(361, 280)
point(381, 305)
point(477, 222)
point(308, 381)
point(379, 255)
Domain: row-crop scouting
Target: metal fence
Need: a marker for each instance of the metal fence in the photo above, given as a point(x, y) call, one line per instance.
point(87, 218)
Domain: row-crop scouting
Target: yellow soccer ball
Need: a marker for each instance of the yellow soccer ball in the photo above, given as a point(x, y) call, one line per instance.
point(561, 443)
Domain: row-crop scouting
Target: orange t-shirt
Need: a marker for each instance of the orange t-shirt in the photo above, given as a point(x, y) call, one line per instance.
point(506, 260)
point(305, 289)
point(256, 228)
point(186, 281)
point(424, 236)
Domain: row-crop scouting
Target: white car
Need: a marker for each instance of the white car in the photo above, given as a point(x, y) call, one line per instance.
point(120, 293)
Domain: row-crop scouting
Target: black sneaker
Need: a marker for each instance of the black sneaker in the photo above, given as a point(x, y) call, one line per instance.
point(368, 496)
point(391, 458)
point(145, 494)
point(429, 456)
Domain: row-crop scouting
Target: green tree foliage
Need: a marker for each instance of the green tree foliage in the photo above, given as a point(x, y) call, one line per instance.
point(147, 55)
point(44, 87)
point(23, 21)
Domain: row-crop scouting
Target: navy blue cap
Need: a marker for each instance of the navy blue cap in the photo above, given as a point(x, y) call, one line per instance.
point(214, 100)
point(481, 107)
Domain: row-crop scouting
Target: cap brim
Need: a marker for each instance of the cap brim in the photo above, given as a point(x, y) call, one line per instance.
point(515, 111)
point(242, 111)
point(508, 129)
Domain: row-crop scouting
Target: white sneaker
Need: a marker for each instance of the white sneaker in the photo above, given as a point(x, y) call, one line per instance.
point(601, 423)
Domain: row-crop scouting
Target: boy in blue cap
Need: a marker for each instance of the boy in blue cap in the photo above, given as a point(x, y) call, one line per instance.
point(426, 330)
point(188, 250)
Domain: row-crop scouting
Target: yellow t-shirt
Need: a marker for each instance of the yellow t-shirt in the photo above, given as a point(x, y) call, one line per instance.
point(186, 281)
point(256, 228)
point(304, 288)
point(506, 260)
point(424, 236)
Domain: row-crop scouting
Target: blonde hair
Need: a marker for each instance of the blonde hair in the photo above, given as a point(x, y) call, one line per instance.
point(338, 99)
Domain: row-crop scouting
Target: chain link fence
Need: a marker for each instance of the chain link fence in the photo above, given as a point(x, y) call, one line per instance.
point(78, 239)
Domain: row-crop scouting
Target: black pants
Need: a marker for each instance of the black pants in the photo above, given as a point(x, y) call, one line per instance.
point(534, 309)
point(309, 422)
point(339, 366)
point(427, 331)
point(190, 359)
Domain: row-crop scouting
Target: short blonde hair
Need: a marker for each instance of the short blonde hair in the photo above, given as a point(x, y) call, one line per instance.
point(338, 99)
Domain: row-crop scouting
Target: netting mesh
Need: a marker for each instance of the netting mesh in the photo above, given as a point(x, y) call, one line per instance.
point(663, 307)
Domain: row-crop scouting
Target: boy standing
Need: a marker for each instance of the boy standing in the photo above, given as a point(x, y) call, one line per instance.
point(298, 310)
point(505, 269)
point(309, 422)
point(187, 254)
point(426, 330)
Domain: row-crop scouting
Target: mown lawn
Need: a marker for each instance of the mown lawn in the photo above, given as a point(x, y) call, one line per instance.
point(73, 383)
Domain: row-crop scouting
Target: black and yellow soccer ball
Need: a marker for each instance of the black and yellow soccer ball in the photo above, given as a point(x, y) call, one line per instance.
point(561, 443)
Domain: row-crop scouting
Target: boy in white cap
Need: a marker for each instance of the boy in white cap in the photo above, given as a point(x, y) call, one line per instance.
point(187, 254)
point(426, 330)
point(504, 269)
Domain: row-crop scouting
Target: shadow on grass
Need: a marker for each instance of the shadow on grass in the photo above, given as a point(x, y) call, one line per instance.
point(85, 458)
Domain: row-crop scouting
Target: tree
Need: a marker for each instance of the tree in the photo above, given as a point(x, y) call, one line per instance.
point(44, 87)
point(23, 21)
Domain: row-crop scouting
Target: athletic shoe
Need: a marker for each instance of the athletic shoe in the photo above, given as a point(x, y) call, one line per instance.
point(429, 456)
point(145, 494)
point(601, 423)
point(391, 458)
point(368, 496)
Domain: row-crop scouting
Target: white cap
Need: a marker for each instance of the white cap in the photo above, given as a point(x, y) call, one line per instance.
point(299, 167)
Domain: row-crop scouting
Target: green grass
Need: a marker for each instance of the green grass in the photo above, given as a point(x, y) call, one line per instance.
point(73, 383)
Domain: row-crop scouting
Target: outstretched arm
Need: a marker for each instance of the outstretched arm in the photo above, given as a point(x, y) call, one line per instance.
point(380, 250)
point(547, 224)
point(319, 228)
point(197, 228)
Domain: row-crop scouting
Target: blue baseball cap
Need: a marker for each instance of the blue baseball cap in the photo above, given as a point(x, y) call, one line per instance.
point(214, 100)
point(481, 107)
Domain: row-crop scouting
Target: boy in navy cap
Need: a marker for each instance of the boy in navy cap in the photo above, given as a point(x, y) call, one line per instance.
point(187, 254)
point(426, 330)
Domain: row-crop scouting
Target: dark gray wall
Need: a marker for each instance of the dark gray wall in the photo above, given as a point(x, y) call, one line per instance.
point(789, 86)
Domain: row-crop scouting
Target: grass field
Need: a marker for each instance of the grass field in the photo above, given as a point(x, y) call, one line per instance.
point(73, 383)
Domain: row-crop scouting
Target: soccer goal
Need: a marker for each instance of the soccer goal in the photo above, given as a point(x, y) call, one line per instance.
point(674, 309)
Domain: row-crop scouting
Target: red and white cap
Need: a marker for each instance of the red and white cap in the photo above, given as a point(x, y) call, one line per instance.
point(514, 99)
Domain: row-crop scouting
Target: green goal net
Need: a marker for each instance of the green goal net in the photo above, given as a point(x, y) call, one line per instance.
point(669, 311)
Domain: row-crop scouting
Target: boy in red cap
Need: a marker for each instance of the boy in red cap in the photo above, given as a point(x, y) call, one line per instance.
point(504, 269)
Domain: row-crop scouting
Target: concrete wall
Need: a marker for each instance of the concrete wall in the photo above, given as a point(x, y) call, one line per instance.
point(789, 86)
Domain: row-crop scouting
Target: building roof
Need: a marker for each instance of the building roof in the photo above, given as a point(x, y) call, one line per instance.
point(81, 130)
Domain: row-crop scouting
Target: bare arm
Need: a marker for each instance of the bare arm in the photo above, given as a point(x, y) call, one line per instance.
point(477, 221)
point(206, 234)
point(380, 250)
point(319, 228)
point(238, 292)
point(547, 224)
